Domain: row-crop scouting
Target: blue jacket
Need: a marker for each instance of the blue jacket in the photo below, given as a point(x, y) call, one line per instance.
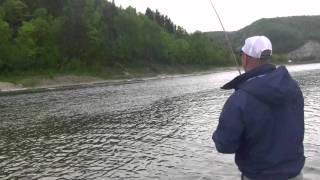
point(262, 122)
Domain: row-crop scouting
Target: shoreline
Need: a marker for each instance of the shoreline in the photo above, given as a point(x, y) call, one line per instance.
point(7, 88)
point(68, 82)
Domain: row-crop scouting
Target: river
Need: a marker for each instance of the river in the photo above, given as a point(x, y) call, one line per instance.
point(152, 129)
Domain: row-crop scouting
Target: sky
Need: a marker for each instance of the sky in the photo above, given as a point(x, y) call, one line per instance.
point(199, 15)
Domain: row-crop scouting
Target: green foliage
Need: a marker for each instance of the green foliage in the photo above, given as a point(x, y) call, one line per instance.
point(163, 21)
point(2, 13)
point(5, 44)
point(279, 59)
point(75, 35)
point(15, 12)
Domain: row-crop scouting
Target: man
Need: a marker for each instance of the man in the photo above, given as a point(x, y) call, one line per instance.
point(262, 122)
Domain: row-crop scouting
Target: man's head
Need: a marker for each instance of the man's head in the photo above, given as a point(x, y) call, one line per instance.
point(255, 52)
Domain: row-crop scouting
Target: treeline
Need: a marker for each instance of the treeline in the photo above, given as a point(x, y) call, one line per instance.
point(72, 35)
point(165, 22)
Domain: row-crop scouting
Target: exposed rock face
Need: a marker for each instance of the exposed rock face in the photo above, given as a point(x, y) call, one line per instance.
point(5, 86)
point(309, 51)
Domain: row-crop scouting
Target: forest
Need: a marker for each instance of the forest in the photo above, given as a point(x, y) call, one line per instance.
point(96, 37)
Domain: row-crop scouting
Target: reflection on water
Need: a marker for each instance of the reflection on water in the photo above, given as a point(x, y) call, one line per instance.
point(158, 129)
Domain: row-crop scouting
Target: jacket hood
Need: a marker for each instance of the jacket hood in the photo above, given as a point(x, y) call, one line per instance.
point(269, 84)
point(275, 88)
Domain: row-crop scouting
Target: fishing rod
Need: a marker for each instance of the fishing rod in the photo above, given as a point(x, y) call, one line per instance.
point(227, 38)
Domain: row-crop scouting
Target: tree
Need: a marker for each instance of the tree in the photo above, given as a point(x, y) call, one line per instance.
point(149, 13)
point(74, 39)
point(4, 45)
point(54, 7)
point(15, 13)
point(181, 32)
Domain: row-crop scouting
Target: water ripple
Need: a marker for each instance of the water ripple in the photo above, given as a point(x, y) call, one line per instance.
point(158, 129)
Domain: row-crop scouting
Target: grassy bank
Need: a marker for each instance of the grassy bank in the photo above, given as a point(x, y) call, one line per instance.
point(77, 75)
point(83, 75)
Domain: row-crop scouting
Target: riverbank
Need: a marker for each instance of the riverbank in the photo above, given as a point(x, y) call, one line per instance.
point(37, 83)
point(6, 86)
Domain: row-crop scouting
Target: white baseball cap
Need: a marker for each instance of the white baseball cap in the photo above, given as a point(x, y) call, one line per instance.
point(258, 47)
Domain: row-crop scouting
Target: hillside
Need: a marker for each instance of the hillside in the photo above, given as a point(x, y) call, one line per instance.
point(287, 34)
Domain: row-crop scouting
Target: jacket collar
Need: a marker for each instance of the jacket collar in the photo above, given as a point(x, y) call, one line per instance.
point(237, 81)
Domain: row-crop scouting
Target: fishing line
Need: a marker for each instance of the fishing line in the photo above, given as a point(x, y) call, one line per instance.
point(226, 37)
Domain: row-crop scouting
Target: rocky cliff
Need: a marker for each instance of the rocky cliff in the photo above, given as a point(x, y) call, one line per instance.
point(310, 51)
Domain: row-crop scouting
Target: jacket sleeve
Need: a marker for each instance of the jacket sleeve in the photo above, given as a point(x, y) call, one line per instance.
point(228, 134)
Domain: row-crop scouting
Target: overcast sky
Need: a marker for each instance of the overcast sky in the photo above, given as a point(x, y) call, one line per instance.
point(235, 14)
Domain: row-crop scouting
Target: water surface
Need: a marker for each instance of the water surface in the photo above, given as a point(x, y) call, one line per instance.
point(154, 129)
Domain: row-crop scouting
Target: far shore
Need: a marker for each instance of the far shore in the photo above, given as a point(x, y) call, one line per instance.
point(63, 82)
